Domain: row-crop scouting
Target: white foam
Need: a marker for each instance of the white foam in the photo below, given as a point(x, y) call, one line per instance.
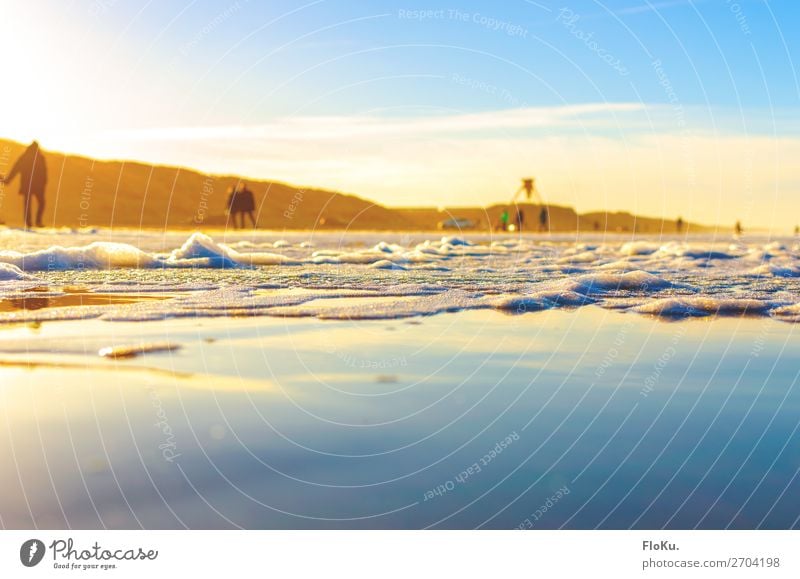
point(777, 270)
point(448, 301)
point(455, 241)
point(699, 251)
point(641, 281)
point(639, 248)
point(202, 247)
point(704, 306)
point(9, 272)
point(788, 313)
point(222, 276)
point(386, 264)
point(540, 301)
point(97, 255)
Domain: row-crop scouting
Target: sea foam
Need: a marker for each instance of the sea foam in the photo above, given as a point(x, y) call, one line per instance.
point(227, 274)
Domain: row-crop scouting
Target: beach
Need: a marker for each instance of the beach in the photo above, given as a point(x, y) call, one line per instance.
point(376, 380)
point(270, 271)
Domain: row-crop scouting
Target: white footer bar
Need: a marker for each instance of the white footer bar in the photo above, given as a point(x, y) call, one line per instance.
point(407, 554)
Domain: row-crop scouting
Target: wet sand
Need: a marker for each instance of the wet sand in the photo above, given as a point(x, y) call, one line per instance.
point(555, 419)
point(44, 298)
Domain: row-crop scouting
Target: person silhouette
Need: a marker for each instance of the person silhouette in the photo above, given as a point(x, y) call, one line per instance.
point(504, 220)
point(520, 218)
point(233, 205)
point(247, 204)
point(32, 171)
point(544, 218)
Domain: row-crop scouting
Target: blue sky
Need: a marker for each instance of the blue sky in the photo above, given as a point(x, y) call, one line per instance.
point(716, 53)
point(667, 106)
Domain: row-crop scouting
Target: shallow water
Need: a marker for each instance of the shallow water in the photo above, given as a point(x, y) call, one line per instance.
point(28, 300)
point(225, 274)
point(573, 418)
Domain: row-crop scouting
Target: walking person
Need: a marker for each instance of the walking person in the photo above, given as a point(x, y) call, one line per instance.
point(32, 172)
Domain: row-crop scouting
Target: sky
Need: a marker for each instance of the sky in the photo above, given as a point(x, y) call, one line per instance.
point(660, 107)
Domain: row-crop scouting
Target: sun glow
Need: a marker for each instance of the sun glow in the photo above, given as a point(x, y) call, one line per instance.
point(49, 75)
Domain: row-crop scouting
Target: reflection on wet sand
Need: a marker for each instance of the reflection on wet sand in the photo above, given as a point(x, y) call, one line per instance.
point(70, 373)
point(70, 299)
point(300, 423)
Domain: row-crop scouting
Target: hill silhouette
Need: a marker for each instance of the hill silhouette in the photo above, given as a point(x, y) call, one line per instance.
point(561, 218)
point(84, 192)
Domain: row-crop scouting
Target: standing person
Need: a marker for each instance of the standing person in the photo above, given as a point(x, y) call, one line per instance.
point(544, 219)
point(520, 218)
point(679, 224)
point(247, 204)
point(233, 205)
point(738, 228)
point(504, 220)
point(32, 172)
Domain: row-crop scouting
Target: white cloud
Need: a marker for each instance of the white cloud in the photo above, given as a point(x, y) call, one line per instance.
point(593, 115)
